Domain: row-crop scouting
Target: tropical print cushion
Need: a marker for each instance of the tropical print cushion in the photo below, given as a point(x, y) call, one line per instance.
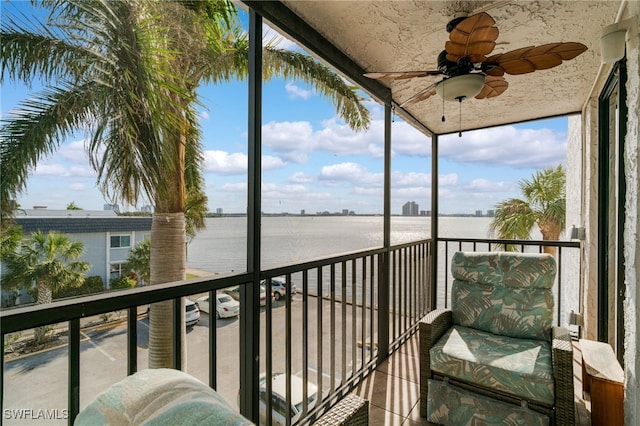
point(449, 405)
point(520, 367)
point(504, 293)
point(159, 397)
point(506, 269)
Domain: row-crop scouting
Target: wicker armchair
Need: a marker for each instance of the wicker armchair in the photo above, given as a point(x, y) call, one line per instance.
point(494, 357)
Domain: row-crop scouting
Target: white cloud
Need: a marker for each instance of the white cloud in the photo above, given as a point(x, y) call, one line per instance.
point(74, 151)
point(506, 146)
point(77, 186)
point(204, 115)
point(295, 91)
point(300, 177)
point(234, 187)
point(350, 172)
point(57, 170)
point(224, 163)
point(484, 185)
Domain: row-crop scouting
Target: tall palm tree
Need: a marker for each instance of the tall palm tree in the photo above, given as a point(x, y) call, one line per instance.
point(544, 204)
point(48, 261)
point(139, 260)
point(129, 71)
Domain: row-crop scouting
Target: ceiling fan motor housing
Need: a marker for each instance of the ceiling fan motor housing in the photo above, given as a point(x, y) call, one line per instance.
point(452, 69)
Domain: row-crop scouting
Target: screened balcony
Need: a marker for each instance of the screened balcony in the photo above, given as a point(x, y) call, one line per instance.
point(356, 314)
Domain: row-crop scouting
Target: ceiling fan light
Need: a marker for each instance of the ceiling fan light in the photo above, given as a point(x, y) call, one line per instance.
point(460, 87)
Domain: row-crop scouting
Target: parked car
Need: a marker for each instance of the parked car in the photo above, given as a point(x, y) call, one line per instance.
point(279, 288)
point(234, 292)
point(278, 398)
point(192, 315)
point(226, 307)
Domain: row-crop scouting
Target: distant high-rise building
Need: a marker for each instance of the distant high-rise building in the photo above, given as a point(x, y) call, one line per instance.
point(219, 210)
point(410, 208)
point(491, 213)
point(478, 213)
point(302, 212)
point(345, 212)
point(113, 207)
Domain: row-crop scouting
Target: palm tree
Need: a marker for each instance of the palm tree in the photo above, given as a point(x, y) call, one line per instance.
point(48, 261)
point(129, 71)
point(139, 260)
point(543, 205)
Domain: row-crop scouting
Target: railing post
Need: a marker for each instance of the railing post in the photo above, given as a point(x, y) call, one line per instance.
point(74, 369)
point(132, 340)
point(384, 271)
point(434, 223)
point(250, 293)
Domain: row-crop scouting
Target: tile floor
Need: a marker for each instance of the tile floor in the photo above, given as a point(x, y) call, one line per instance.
point(393, 389)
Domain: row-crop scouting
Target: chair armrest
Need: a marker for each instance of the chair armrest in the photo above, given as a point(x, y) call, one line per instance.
point(562, 358)
point(431, 328)
point(350, 411)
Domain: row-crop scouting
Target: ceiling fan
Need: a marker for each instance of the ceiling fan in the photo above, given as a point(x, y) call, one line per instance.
point(468, 72)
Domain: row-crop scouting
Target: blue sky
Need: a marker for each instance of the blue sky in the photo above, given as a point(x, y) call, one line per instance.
point(313, 162)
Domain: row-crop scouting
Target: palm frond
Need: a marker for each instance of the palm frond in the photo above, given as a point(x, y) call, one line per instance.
point(36, 129)
point(296, 65)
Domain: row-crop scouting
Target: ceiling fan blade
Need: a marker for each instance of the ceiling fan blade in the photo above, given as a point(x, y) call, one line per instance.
point(401, 75)
point(493, 86)
point(473, 37)
point(530, 59)
point(425, 93)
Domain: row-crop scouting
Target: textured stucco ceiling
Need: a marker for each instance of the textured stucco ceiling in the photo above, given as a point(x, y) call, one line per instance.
point(409, 35)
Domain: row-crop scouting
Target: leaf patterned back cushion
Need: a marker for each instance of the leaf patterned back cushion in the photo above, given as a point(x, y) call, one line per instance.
point(504, 293)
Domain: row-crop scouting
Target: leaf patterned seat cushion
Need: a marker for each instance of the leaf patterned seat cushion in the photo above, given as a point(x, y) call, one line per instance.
point(504, 293)
point(450, 405)
point(520, 367)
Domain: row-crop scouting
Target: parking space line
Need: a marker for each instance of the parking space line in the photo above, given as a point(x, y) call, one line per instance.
point(102, 350)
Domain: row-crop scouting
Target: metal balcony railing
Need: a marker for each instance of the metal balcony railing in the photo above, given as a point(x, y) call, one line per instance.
point(356, 308)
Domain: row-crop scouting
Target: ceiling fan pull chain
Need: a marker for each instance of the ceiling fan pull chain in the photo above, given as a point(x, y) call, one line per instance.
point(443, 119)
point(393, 113)
point(460, 118)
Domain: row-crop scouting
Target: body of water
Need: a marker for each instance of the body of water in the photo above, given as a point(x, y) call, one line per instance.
point(288, 240)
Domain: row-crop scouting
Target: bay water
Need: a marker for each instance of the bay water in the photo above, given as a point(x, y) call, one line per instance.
point(221, 247)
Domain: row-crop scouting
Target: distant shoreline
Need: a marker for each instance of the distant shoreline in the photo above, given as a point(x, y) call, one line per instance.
point(214, 215)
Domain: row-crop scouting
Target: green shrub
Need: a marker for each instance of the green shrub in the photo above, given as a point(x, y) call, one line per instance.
point(122, 282)
point(92, 284)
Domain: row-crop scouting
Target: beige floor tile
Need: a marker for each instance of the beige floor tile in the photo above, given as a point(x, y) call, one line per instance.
point(391, 393)
point(411, 346)
point(402, 365)
point(379, 416)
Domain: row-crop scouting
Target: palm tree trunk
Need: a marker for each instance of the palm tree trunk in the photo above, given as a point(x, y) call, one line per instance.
point(550, 232)
point(168, 263)
point(168, 257)
point(44, 296)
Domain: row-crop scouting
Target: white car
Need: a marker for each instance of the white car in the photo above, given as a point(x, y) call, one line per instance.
point(279, 288)
point(226, 307)
point(234, 292)
point(192, 312)
point(278, 399)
